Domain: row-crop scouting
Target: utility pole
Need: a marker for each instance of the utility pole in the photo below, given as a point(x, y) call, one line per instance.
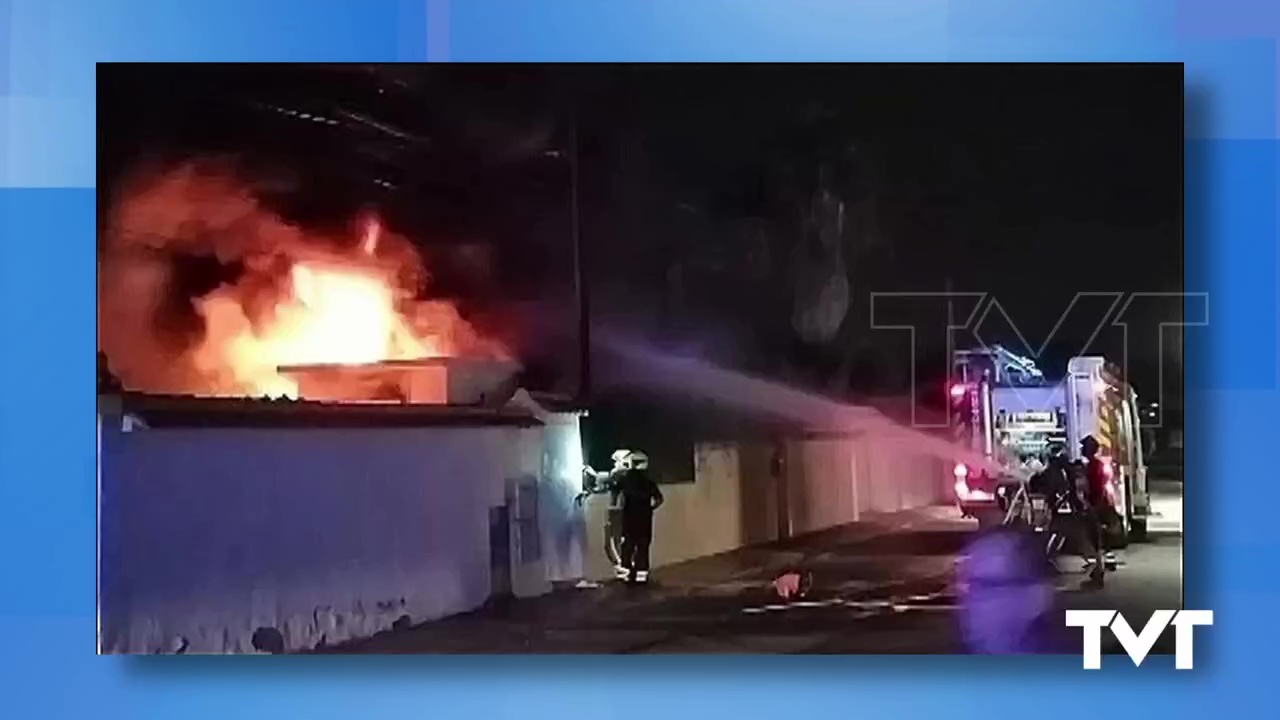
point(579, 268)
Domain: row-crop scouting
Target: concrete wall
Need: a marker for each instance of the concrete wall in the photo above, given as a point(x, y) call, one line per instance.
point(698, 518)
point(207, 535)
point(736, 501)
point(548, 530)
point(822, 491)
point(564, 528)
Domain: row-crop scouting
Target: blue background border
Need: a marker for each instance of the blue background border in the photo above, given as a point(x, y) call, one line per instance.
point(47, 139)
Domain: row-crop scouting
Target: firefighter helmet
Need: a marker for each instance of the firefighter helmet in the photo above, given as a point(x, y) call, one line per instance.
point(619, 457)
point(637, 461)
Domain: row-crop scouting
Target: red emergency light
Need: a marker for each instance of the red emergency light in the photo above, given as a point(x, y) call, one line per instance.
point(963, 491)
point(962, 486)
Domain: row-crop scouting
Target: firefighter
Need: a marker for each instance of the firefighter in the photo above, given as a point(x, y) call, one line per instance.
point(1057, 477)
point(1099, 507)
point(598, 481)
point(1043, 476)
point(640, 497)
point(607, 481)
point(1060, 487)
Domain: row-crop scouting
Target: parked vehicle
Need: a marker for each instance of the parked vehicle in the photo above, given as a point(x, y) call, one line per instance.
point(1004, 407)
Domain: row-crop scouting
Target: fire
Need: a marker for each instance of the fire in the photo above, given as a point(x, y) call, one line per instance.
point(299, 300)
point(331, 315)
point(342, 316)
point(372, 233)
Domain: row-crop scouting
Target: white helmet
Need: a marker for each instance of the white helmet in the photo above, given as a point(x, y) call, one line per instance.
point(637, 461)
point(619, 457)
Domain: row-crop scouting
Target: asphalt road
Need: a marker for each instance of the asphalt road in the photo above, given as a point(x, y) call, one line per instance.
point(879, 588)
point(1151, 578)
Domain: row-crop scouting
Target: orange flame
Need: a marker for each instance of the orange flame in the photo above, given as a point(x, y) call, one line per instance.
point(372, 233)
point(301, 300)
point(333, 315)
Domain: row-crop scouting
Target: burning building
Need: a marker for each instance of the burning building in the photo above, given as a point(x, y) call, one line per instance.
point(407, 477)
point(272, 295)
point(435, 381)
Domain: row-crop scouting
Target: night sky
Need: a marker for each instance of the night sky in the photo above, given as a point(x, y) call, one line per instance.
point(1029, 182)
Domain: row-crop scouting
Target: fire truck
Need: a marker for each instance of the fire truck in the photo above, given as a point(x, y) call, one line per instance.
point(1004, 407)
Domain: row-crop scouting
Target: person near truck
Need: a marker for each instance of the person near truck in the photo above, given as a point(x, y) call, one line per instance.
point(1057, 483)
point(1101, 511)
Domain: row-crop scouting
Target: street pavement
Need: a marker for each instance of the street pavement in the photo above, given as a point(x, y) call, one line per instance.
point(1151, 578)
point(882, 586)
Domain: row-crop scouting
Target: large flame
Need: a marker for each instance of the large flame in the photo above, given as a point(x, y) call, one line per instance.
point(300, 299)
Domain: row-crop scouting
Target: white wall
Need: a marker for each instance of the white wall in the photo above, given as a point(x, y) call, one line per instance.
point(209, 534)
point(701, 518)
point(524, 457)
point(839, 481)
point(734, 502)
point(822, 492)
point(696, 519)
point(564, 529)
point(550, 457)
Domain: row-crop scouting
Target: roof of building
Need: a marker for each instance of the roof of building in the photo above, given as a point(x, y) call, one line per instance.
point(187, 411)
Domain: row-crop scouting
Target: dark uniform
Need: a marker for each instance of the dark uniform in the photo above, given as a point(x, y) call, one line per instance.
point(1059, 484)
point(640, 496)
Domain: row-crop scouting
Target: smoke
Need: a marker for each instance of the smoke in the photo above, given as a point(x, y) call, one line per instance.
point(204, 290)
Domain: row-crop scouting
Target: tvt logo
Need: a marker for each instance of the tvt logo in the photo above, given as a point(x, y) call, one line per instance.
point(967, 320)
point(1138, 645)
